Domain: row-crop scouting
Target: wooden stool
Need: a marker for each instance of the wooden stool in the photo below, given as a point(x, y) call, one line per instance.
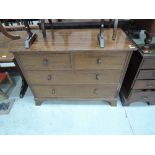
point(3, 77)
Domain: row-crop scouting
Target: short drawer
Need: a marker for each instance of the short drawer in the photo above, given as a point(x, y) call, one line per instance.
point(146, 74)
point(45, 61)
point(148, 96)
point(73, 77)
point(105, 60)
point(144, 84)
point(148, 63)
point(80, 91)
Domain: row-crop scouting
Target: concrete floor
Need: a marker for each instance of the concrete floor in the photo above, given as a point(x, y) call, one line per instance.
point(75, 117)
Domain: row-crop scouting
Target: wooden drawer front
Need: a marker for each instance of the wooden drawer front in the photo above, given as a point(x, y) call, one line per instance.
point(146, 74)
point(73, 77)
point(148, 63)
point(45, 61)
point(107, 60)
point(83, 91)
point(143, 96)
point(144, 84)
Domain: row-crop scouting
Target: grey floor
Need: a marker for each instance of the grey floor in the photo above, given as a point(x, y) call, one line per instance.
point(75, 117)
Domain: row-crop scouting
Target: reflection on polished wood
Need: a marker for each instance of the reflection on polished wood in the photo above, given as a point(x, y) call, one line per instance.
point(5, 55)
point(73, 39)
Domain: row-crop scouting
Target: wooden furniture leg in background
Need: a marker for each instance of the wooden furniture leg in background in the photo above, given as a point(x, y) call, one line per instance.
point(149, 26)
point(148, 40)
point(24, 83)
point(3, 30)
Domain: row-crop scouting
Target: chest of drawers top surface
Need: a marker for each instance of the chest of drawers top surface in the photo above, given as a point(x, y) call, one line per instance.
point(72, 40)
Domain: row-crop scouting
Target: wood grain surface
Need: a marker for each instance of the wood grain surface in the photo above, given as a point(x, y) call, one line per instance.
point(72, 40)
point(69, 64)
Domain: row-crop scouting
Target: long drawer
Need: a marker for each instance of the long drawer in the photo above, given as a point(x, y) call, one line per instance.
point(148, 63)
point(80, 91)
point(146, 74)
point(45, 61)
point(144, 84)
point(73, 77)
point(148, 96)
point(107, 60)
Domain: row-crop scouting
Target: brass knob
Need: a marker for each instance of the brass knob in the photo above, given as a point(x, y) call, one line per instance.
point(45, 61)
point(99, 61)
point(98, 76)
point(49, 77)
point(53, 91)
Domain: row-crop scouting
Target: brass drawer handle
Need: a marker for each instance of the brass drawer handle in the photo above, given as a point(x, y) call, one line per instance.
point(49, 77)
point(95, 91)
point(145, 97)
point(98, 76)
point(99, 61)
point(53, 91)
point(150, 85)
point(45, 61)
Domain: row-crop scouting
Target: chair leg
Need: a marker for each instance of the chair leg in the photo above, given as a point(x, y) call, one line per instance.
point(3, 30)
point(9, 79)
point(3, 94)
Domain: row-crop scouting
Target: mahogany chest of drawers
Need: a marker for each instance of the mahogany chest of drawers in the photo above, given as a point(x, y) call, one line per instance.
point(69, 64)
point(139, 81)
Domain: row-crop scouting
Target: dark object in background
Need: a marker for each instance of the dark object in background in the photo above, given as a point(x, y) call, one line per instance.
point(24, 85)
point(149, 27)
point(31, 36)
point(42, 22)
point(4, 106)
point(100, 35)
point(8, 22)
point(144, 24)
point(139, 80)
